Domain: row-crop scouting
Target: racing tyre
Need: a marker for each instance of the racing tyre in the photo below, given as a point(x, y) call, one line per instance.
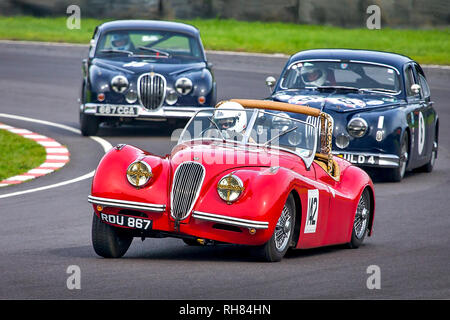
point(397, 174)
point(88, 124)
point(275, 249)
point(108, 241)
point(361, 222)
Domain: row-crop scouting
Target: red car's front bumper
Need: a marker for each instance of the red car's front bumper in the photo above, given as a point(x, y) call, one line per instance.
point(202, 225)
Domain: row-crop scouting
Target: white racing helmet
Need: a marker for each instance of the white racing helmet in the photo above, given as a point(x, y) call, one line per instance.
point(312, 75)
point(120, 41)
point(231, 116)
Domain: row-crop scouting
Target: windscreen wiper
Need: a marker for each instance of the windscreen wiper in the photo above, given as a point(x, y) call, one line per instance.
point(279, 135)
point(378, 90)
point(130, 53)
point(337, 88)
point(155, 51)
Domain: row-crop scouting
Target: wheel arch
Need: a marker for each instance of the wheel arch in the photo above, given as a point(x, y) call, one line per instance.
point(372, 208)
point(298, 217)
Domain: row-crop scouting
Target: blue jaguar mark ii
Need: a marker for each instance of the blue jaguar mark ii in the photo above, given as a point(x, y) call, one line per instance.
point(380, 103)
point(144, 70)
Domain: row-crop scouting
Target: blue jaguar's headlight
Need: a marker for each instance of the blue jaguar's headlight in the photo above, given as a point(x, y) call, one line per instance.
point(357, 127)
point(119, 83)
point(183, 85)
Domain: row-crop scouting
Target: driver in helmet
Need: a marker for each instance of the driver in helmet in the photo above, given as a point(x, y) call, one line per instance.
point(120, 41)
point(231, 119)
point(313, 75)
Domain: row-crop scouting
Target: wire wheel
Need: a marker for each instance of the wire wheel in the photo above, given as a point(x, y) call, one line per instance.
point(277, 246)
point(283, 229)
point(362, 216)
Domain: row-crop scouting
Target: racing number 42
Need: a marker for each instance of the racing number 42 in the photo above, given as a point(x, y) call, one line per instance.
point(312, 212)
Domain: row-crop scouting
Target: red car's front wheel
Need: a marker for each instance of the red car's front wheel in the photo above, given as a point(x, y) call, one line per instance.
point(108, 241)
point(275, 249)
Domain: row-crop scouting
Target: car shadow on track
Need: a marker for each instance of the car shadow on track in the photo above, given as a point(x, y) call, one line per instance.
point(181, 252)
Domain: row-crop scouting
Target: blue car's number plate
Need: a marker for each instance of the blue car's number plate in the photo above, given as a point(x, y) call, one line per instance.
point(126, 221)
point(117, 110)
point(360, 159)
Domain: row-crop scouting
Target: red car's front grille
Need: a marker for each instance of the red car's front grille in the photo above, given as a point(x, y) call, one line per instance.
point(187, 181)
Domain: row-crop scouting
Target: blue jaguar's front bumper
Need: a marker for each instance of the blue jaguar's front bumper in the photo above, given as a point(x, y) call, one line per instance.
point(137, 111)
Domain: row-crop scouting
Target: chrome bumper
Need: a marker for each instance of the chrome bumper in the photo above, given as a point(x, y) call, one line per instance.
point(142, 113)
point(230, 220)
point(370, 159)
point(106, 202)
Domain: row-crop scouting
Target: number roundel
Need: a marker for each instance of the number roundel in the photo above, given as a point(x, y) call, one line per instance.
point(312, 211)
point(421, 135)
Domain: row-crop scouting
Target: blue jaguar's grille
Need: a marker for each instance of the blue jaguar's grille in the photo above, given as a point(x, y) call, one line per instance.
point(152, 90)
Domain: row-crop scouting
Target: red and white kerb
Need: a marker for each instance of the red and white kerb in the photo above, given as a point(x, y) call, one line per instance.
point(57, 156)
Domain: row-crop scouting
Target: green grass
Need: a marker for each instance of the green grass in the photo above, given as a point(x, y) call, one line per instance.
point(430, 46)
point(18, 154)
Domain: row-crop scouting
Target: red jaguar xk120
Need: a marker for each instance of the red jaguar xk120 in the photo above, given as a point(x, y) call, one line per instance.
point(242, 173)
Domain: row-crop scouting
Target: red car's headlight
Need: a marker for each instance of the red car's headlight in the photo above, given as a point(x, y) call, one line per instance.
point(230, 188)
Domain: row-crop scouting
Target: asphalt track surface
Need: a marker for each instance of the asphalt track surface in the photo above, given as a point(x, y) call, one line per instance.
point(43, 233)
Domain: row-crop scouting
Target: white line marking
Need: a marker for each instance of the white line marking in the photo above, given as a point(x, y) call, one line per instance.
point(56, 185)
point(105, 145)
point(230, 53)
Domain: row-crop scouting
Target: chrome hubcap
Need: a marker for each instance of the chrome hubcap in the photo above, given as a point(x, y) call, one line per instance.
point(283, 230)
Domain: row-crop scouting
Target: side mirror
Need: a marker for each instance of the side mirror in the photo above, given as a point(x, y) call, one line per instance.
point(415, 88)
point(270, 82)
point(209, 65)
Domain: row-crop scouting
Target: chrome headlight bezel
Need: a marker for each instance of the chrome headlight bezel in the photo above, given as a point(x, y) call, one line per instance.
point(139, 173)
point(230, 188)
point(183, 86)
point(357, 127)
point(119, 84)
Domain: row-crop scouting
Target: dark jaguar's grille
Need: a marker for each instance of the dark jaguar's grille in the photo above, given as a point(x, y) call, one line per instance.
point(186, 186)
point(152, 90)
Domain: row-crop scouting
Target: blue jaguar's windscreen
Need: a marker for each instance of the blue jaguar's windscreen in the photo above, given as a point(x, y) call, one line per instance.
point(161, 45)
point(359, 75)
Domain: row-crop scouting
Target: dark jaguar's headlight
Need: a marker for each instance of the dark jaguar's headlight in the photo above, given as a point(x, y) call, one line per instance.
point(119, 84)
point(171, 96)
point(357, 127)
point(183, 85)
point(131, 96)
